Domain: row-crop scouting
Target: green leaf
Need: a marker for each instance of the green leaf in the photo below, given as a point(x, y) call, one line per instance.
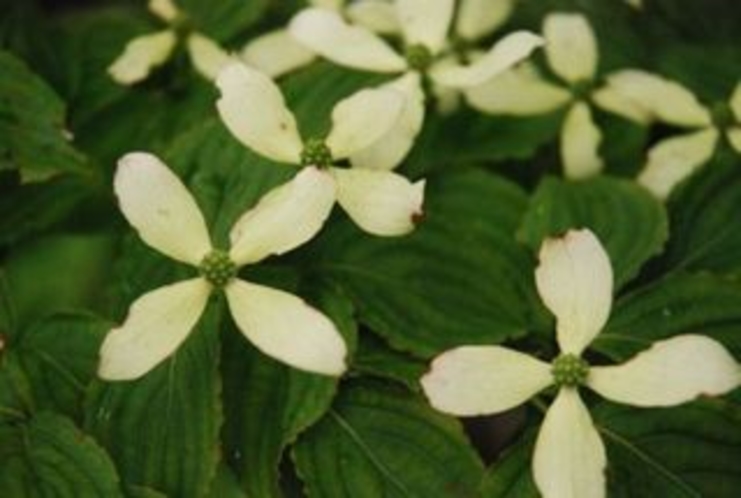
point(59, 356)
point(510, 476)
point(628, 221)
point(385, 442)
point(33, 135)
point(677, 304)
point(72, 267)
point(278, 403)
point(460, 278)
point(49, 456)
point(376, 358)
point(689, 451)
point(226, 18)
point(702, 237)
point(162, 429)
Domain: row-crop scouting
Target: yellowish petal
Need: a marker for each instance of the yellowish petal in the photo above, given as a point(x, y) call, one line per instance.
point(141, 55)
point(580, 141)
point(571, 48)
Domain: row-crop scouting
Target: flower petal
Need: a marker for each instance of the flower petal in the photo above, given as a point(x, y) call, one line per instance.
point(379, 202)
point(284, 327)
point(141, 55)
point(426, 23)
point(276, 53)
point(164, 9)
point(662, 99)
point(569, 458)
point(327, 34)
point(580, 141)
point(285, 218)
point(610, 99)
point(478, 18)
point(391, 148)
point(158, 322)
point(674, 159)
point(574, 279)
point(735, 102)
point(671, 372)
point(207, 56)
point(253, 109)
point(571, 48)
point(362, 119)
point(519, 91)
point(482, 380)
point(509, 51)
point(160, 208)
point(734, 137)
point(378, 16)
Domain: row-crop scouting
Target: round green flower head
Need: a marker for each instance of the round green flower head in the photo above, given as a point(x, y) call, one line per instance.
point(418, 57)
point(569, 371)
point(722, 115)
point(217, 268)
point(316, 153)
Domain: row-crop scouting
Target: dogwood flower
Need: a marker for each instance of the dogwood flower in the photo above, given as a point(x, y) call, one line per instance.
point(277, 53)
point(379, 201)
point(572, 55)
point(673, 159)
point(424, 25)
point(167, 218)
point(574, 279)
point(144, 53)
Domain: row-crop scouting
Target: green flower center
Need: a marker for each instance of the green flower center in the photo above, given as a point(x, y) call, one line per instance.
point(217, 268)
point(581, 90)
point(723, 115)
point(316, 153)
point(418, 57)
point(569, 371)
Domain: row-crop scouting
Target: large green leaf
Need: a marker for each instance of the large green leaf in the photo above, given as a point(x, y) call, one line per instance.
point(162, 430)
point(385, 442)
point(629, 222)
point(459, 278)
point(267, 404)
point(223, 19)
point(33, 135)
point(704, 236)
point(678, 304)
point(58, 356)
point(48, 456)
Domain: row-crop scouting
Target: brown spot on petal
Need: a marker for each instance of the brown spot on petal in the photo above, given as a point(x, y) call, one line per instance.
point(418, 217)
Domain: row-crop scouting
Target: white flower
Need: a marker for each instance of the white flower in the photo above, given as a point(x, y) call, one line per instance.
point(379, 201)
point(574, 279)
point(144, 53)
point(673, 159)
point(425, 26)
point(571, 53)
point(167, 218)
point(277, 53)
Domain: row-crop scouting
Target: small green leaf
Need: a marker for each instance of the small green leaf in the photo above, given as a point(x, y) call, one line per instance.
point(33, 136)
point(385, 442)
point(628, 221)
point(460, 278)
point(49, 456)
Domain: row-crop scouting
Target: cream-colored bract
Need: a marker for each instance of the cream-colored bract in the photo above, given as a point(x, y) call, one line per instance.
point(167, 218)
point(379, 201)
point(144, 53)
point(580, 141)
point(675, 158)
point(574, 279)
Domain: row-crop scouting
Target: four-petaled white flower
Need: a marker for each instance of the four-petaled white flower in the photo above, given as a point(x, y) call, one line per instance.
point(379, 201)
point(673, 159)
point(425, 27)
point(574, 279)
point(167, 218)
point(572, 55)
point(277, 53)
point(144, 53)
